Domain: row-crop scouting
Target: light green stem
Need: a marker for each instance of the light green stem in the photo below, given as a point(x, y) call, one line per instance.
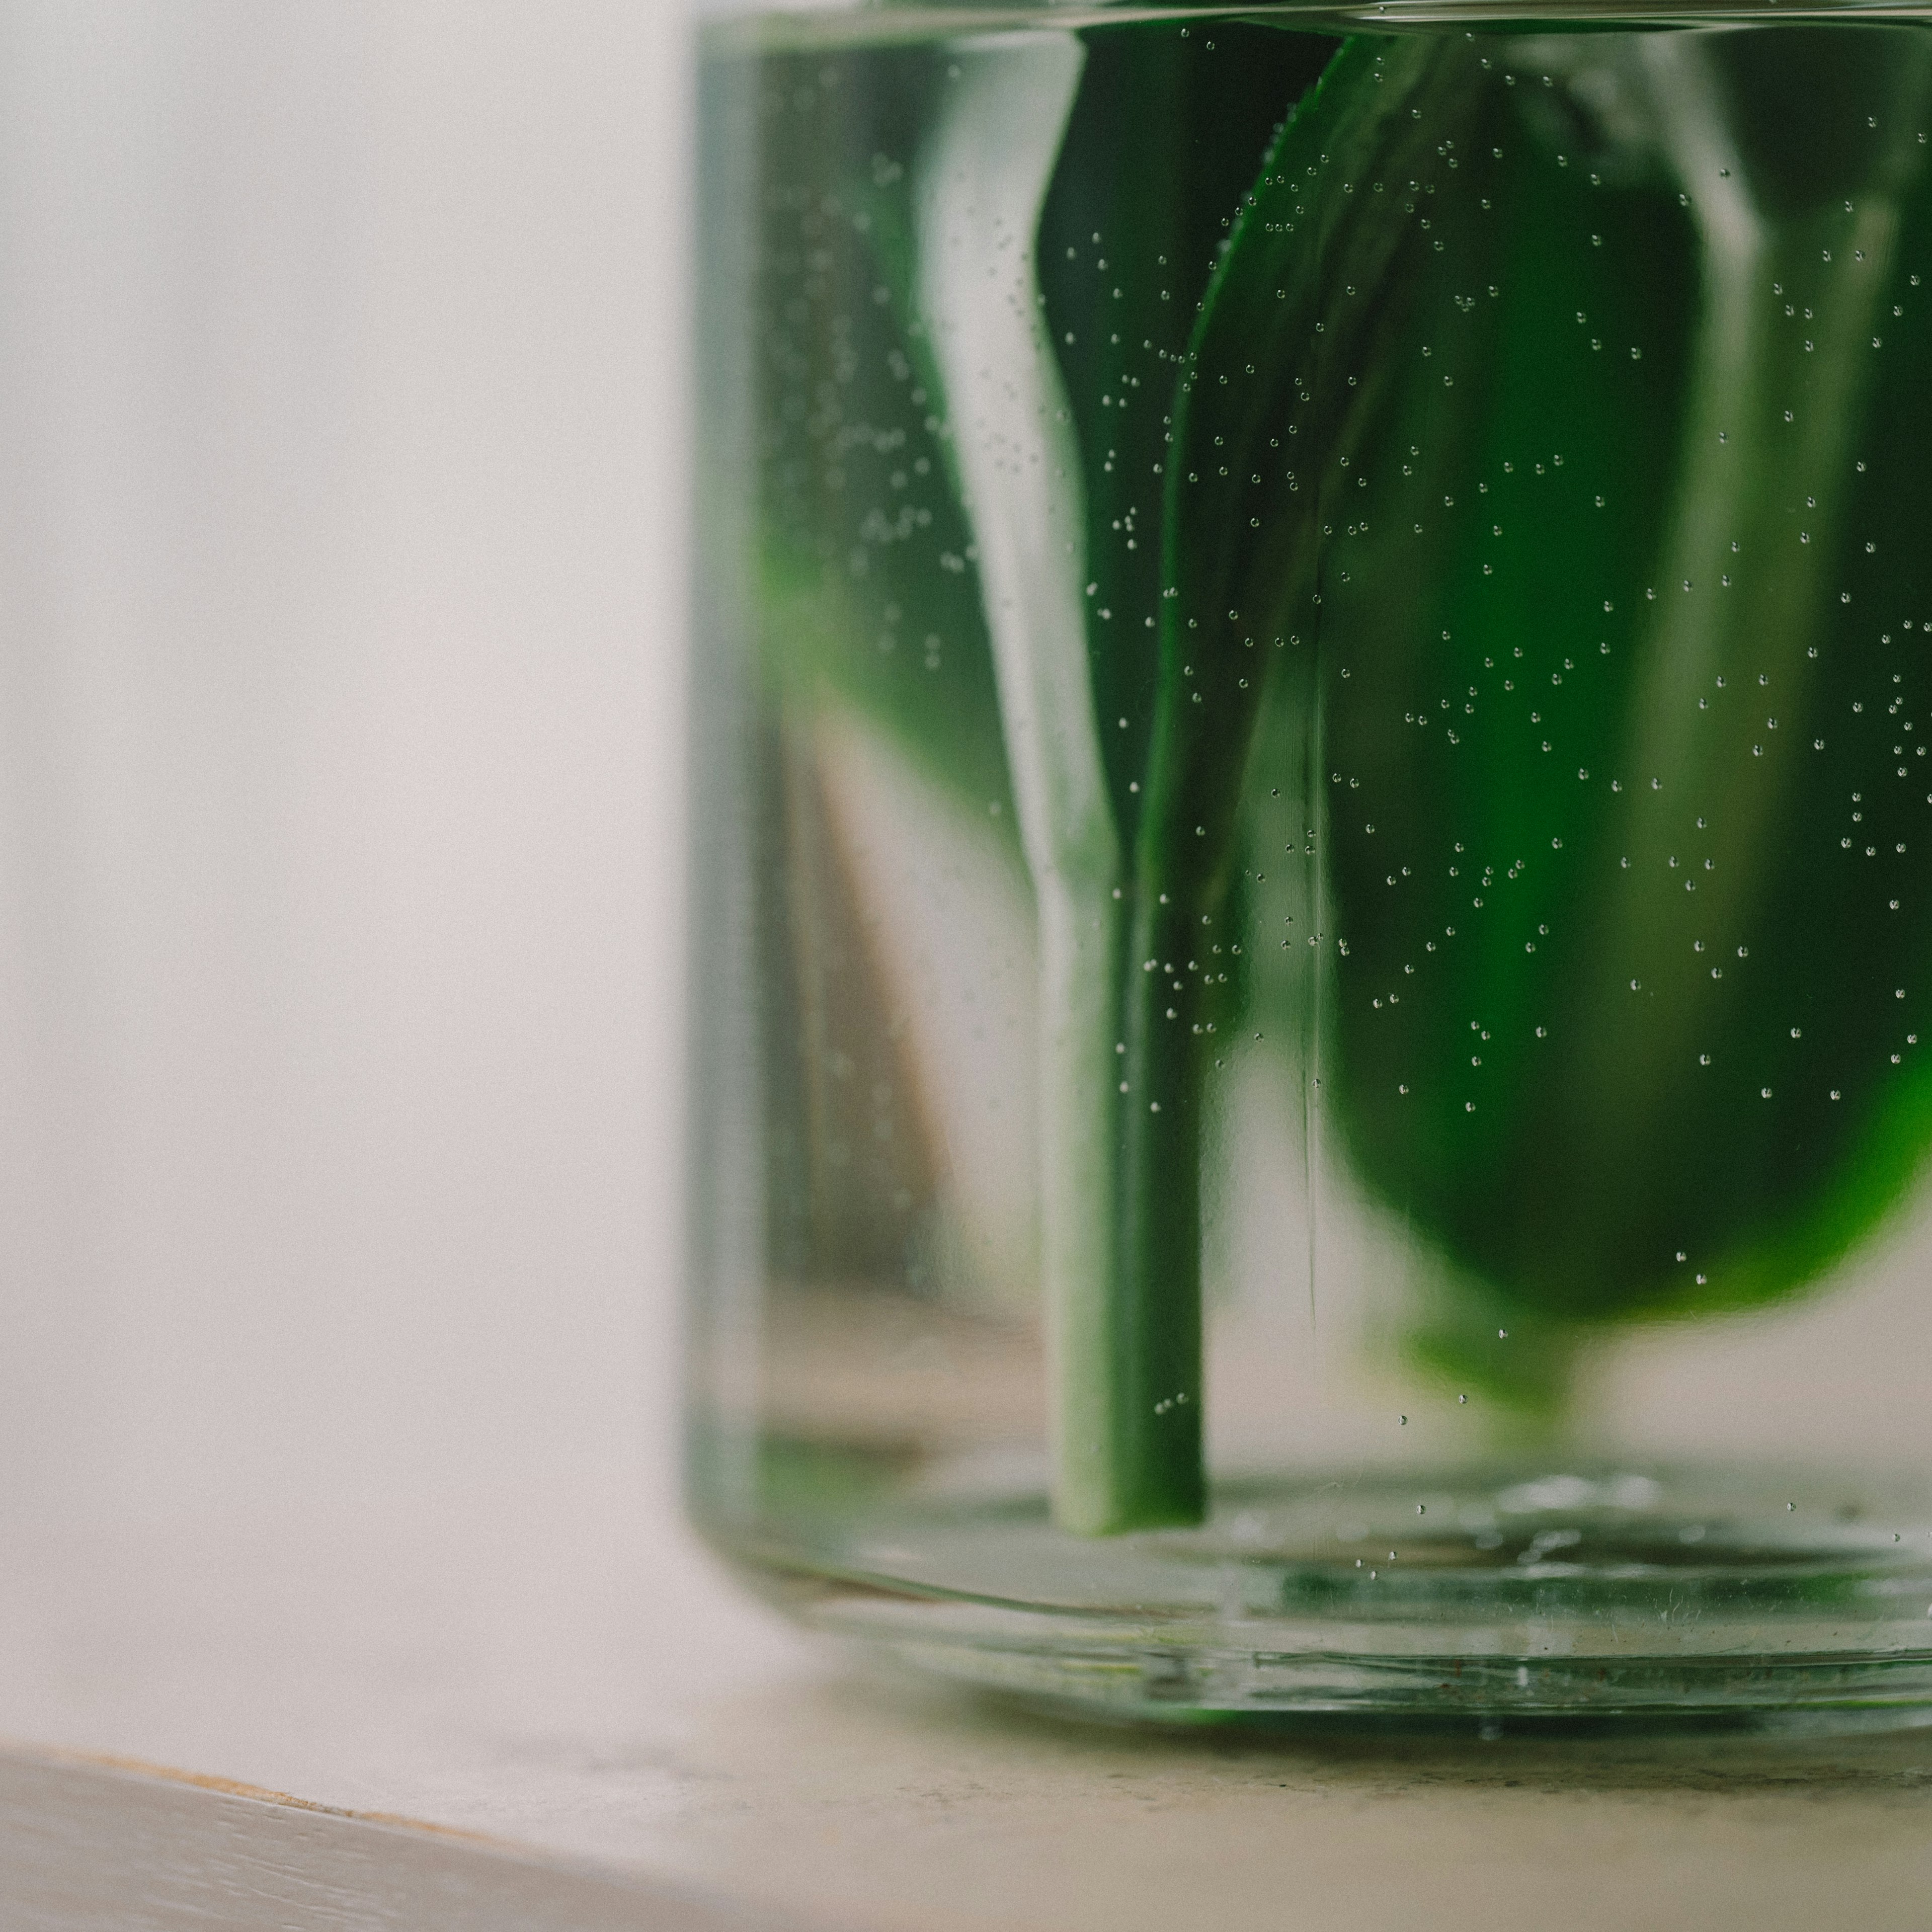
point(984, 179)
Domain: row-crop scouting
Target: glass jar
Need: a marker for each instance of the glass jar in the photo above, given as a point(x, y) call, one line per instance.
point(1312, 932)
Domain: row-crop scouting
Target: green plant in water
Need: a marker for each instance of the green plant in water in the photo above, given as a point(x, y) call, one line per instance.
point(1127, 896)
point(1545, 442)
point(1117, 901)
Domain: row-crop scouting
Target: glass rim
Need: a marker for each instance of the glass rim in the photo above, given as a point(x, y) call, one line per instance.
point(780, 26)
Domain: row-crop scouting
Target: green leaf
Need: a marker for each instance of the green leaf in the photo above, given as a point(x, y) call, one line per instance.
point(1287, 356)
point(1616, 989)
point(1167, 136)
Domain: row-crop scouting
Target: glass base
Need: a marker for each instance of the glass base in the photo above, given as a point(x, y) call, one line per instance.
point(1614, 1594)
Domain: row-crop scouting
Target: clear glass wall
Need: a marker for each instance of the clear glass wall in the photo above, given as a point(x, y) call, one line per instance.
point(1312, 931)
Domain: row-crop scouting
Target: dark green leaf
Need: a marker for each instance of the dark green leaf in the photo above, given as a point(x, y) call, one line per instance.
point(1167, 134)
point(1287, 356)
point(1648, 1012)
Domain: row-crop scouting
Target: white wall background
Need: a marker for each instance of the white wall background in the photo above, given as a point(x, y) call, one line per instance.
point(341, 584)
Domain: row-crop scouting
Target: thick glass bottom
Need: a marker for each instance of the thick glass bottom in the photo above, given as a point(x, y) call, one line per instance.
point(1620, 1593)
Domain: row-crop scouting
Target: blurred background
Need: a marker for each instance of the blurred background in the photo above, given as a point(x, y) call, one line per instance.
point(341, 603)
point(340, 415)
point(343, 590)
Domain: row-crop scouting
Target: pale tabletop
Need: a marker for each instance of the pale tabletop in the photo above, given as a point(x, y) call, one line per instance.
point(248, 1721)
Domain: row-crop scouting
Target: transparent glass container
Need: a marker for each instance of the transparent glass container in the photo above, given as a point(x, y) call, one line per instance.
point(1312, 923)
